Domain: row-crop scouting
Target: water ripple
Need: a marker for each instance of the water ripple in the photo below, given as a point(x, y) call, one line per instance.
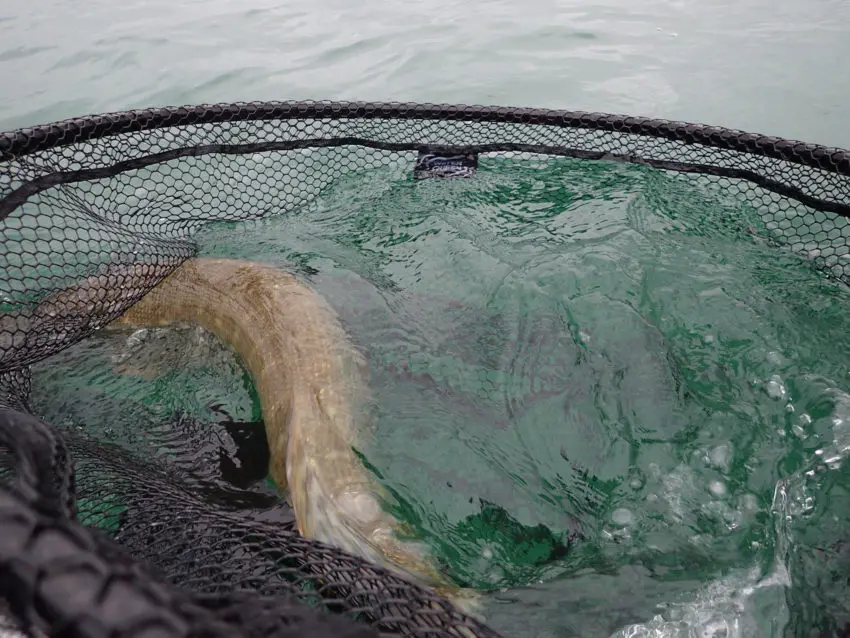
point(607, 56)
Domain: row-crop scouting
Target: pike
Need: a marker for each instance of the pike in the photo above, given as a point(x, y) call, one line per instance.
point(313, 392)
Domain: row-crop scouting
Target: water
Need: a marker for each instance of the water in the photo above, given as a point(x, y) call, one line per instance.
point(600, 397)
point(772, 66)
point(614, 367)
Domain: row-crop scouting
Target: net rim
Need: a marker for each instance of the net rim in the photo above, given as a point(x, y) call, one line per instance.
point(25, 141)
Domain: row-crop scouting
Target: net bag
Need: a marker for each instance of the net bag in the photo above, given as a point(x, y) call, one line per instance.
point(97, 542)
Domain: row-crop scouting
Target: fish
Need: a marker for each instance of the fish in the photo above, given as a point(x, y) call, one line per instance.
point(314, 395)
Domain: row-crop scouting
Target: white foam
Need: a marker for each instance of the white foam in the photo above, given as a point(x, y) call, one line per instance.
point(722, 609)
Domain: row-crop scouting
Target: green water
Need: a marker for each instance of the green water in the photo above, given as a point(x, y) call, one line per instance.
point(562, 351)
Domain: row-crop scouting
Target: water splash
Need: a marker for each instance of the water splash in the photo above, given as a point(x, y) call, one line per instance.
point(750, 603)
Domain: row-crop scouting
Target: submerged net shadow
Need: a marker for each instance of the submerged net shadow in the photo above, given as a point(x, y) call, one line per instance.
point(96, 542)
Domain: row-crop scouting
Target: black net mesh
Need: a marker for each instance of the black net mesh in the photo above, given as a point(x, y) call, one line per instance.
point(60, 564)
point(95, 211)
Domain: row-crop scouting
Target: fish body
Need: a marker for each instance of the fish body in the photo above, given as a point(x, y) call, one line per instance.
point(313, 391)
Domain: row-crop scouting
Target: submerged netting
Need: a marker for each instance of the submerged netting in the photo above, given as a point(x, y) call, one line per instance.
point(95, 211)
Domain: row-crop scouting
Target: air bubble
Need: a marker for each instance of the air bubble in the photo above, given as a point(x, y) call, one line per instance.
point(622, 517)
point(775, 388)
point(720, 456)
point(749, 502)
point(774, 358)
point(718, 488)
point(833, 462)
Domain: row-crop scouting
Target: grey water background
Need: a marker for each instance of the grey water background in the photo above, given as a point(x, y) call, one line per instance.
point(772, 67)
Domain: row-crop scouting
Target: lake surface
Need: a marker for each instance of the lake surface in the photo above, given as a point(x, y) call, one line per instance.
point(773, 66)
point(605, 353)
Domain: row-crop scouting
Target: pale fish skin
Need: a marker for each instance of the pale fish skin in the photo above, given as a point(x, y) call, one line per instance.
point(313, 391)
